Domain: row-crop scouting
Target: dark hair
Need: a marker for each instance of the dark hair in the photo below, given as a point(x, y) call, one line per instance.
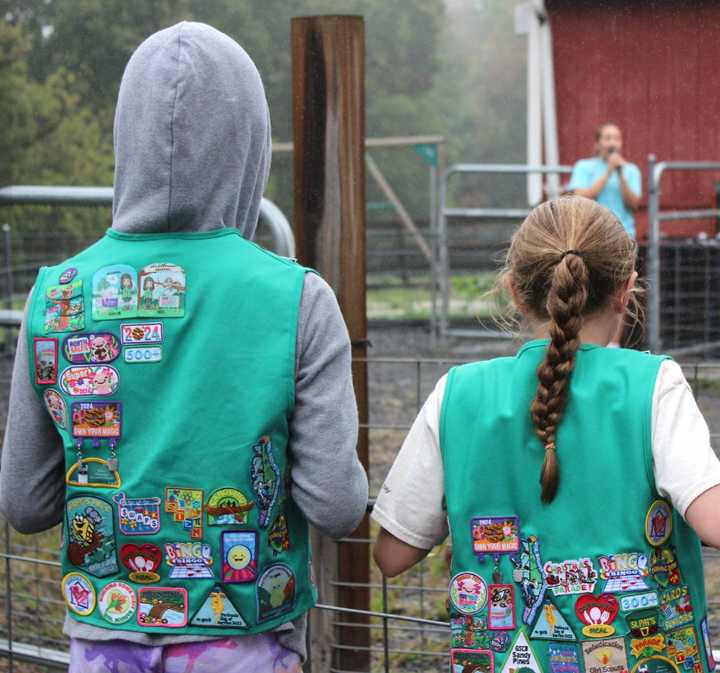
point(567, 260)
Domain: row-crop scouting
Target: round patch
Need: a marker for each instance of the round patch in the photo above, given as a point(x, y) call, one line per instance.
point(468, 592)
point(658, 523)
point(55, 404)
point(117, 602)
point(655, 664)
point(67, 275)
point(79, 593)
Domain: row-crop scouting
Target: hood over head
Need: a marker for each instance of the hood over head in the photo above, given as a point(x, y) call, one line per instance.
point(191, 135)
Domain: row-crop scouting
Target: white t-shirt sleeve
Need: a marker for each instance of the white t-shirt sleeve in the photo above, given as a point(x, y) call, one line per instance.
point(410, 502)
point(684, 464)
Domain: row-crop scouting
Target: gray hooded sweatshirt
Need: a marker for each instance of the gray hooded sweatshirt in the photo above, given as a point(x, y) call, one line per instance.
point(192, 152)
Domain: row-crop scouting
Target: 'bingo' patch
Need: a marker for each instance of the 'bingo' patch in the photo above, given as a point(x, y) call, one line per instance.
point(189, 560)
point(186, 506)
point(501, 607)
point(91, 535)
point(239, 549)
point(265, 476)
point(468, 592)
point(605, 656)
point(46, 360)
point(574, 576)
point(138, 516)
point(477, 661)
point(522, 657)
point(143, 562)
point(162, 607)
point(101, 420)
point(162, 291)
point(658, 523)
point(79, 593)
point(624, 572)
point(597, 613)
point(96, 380)
point(117, 603)
point(218, 611)
point(675, 608)
point(91, 349)
point(495, 535)
point(639, 601)
point(141, 334)
point(143, 355)
point(227, 507)
point(114, 292)
point(275, 592)
point(528, 573)
point(552, 625)
point(279, 535)
point(56, 407)
point(563, 658)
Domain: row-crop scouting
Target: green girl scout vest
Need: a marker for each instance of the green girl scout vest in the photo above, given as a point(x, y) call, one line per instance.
point(605, 579)
point(167, 363)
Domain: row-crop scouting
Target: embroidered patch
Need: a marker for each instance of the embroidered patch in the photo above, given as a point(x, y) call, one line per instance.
point(279, 535)
point(495, 535)
point(97, 380)
point(474, 661)
point(468, 592)
point(143, 562)
point(140, 334)
point(643, 623)
point(162, 607)
point(79, 593)
point(87, 349)
point(117, 602)
point(227, 507)
point(664, 566)
point(639, 601)
point(101, 420)
point(162, 291)
point(218, 611)
point(469, 631)
point(552, 625)
point(528, 573)
point(46, 360)
point(675, 608)
point(645, 647)
point(64, 308)
point(114, 292)
point(55, 404)
point(597, 613)
point(275, 592)
point(146, 355)
point(706, 642)
point(682, 648)
point(501, 607)
point(655, 664)
point(658, 523)
point(574, 576)
point(67, 275)
point(265, 476)
point(91, 535)
point(605, 656)
point(522, 657)
point(239, 550)
point(138, 516)
point(189, 560)
point(499, 642)
point(186, 506)
point(563, 658)
point(98, 475)
point(624, 572)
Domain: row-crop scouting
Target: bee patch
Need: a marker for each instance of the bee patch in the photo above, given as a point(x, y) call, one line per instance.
point(46, 360)
point(91, 535)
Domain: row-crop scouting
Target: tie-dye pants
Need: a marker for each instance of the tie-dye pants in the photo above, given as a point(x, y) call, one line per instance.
point(259, 654)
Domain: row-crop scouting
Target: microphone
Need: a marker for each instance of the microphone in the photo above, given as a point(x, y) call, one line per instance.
point(612, 150)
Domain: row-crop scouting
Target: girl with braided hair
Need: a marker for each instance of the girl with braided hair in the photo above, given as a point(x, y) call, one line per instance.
point(596, 461)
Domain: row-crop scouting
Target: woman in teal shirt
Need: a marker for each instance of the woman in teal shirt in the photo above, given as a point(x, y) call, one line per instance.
point(608, 178)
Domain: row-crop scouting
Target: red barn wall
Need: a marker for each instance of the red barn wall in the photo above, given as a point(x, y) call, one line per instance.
point(653, 68)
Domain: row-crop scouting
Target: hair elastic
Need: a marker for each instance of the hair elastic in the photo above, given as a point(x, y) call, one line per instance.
point(570, 252)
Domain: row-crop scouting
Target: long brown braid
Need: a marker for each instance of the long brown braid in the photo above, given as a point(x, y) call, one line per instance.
point(566, 261)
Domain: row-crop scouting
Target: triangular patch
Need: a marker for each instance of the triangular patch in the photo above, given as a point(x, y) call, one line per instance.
point(521, 658)
point(218, 611)
point(551, 625)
